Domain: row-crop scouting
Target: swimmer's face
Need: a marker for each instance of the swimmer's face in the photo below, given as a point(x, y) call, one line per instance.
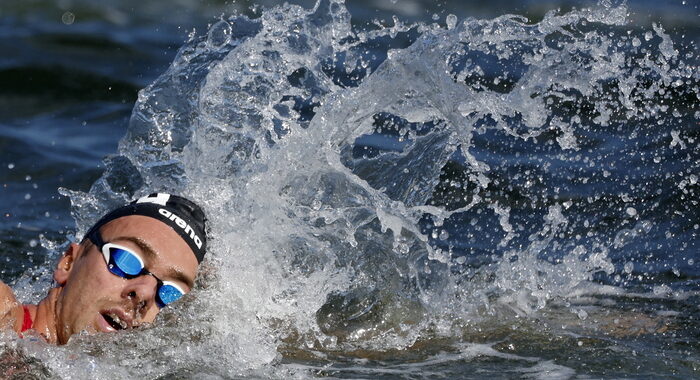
point(95, 300)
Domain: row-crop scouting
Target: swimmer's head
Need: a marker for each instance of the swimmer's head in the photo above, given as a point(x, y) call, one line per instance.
point(134, 261)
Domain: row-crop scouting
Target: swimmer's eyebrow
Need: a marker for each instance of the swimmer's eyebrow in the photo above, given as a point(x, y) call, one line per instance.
point(151, 255)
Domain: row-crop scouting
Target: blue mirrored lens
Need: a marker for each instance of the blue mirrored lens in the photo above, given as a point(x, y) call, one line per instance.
point(125, 262)
point(168, 294)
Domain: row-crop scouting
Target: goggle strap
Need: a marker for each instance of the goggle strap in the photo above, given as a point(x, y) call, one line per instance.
point(96, 238)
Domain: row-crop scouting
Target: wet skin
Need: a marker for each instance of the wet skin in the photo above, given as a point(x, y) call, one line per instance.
point(90, 298)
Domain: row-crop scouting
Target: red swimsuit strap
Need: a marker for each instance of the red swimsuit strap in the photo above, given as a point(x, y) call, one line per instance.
point(28, 322)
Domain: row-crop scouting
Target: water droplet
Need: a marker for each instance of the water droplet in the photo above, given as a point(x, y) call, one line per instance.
point(662, 290)
point(10, 166)
point(219, 34)
point(68, 18)
point(631, 211)
point(33, 243)
point(451, 21)
point(27, 196)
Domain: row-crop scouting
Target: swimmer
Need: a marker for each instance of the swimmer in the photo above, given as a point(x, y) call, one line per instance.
point(134, 261)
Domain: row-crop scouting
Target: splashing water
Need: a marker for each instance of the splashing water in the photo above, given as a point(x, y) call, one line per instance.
point(406, 193)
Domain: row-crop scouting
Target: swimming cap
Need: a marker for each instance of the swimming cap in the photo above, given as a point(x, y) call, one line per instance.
point(181, 214)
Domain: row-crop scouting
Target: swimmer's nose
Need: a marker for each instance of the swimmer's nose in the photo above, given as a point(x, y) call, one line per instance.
point(141, 291)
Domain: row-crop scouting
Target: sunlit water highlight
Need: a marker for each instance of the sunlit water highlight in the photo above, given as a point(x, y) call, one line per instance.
point(482, 198)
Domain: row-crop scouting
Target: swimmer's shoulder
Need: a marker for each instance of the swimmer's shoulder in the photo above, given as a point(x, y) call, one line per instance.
point(11, 311)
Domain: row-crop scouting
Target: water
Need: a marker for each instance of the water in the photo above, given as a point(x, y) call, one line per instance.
point(426, 196)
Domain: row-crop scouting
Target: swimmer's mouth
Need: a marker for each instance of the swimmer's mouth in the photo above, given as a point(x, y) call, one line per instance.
point(116, 321)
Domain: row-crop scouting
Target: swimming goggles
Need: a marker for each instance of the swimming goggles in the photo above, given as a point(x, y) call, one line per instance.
point(126, 263)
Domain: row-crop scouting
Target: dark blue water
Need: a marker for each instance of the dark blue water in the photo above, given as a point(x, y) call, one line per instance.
point(71, 74)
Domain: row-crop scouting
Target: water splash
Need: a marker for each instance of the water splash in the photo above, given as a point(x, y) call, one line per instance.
point(368, 190)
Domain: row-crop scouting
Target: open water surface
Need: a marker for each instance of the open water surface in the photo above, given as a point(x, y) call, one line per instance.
point(396, 189)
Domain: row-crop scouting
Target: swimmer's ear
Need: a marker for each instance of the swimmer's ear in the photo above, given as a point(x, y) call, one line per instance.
point(64, 266)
